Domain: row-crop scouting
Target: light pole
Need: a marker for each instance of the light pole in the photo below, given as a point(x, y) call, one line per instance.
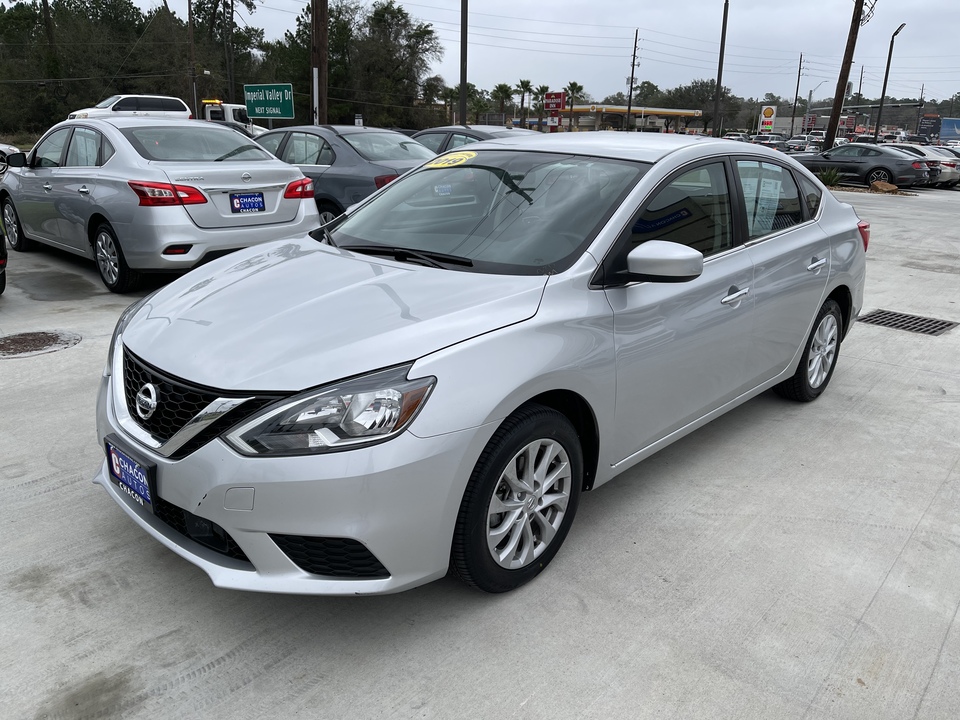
point(716, 97)
point(810, 103)
point(886, 75)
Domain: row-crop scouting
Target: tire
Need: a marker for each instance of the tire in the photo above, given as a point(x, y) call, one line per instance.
point(508, 531)
point(11, 222)
point(3, 282)
point(114, 271)
point(878, 175)
point(328, 211)
point(3, 163)
point(819, 357)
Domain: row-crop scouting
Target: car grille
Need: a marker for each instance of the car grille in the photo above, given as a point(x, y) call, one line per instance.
point(178, 402)
point(198, 529)
point(332, 557)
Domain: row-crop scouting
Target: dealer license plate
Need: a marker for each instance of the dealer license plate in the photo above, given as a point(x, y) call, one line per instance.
point(247, 202)
point(131, 476)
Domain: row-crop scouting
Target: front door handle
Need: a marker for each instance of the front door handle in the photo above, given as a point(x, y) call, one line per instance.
point(735, 296)
point(48, 187)
point(83, 191)
point(816, 264)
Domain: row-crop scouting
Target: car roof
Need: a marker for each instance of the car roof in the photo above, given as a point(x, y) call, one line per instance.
point(643, 147)
point(126, 121)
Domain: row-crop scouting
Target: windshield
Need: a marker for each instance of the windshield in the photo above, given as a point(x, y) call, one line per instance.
point(387, 146)
point(192, 142)
point(108, 102)
point(509, 212)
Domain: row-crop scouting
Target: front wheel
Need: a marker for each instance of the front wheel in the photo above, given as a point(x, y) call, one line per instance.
point(819, 357)
point(11, 222)
point(114, 271)
point(878, 175)
point(520, 501)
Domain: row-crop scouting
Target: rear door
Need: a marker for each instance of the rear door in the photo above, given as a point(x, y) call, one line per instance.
point(75, 186)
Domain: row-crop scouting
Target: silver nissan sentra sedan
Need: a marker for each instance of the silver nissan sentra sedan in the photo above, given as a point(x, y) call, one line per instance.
point(429, 382)
point(142, 195)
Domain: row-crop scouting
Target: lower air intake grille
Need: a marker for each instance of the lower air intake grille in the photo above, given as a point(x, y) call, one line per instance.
point(902, 321)
point(198, 529)
point(332, 557)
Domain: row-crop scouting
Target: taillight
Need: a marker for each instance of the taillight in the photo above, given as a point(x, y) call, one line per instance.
point(864, 227)
point(299, 189)
point(948, 164)
point(917, 165)
point(382, 180)
point(153, 194)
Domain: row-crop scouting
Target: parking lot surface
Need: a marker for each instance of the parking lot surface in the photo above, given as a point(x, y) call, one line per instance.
point(785, 561)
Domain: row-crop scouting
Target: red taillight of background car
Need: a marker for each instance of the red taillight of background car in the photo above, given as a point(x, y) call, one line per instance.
point(382, 180)
point(864, 227)
point(299, 189)
point(153, 194)
point(948, 164)
point(917, 165)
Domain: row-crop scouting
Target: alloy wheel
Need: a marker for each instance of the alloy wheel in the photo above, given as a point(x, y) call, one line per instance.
point(879, 176)
point(10, 224)
point(107, 259)
point(529, 504)
point(823, 351)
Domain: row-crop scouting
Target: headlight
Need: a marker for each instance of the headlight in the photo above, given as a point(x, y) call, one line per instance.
point(121, 326)
point(361, 411)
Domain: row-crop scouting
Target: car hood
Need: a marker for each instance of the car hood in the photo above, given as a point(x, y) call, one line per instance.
point(295, 314)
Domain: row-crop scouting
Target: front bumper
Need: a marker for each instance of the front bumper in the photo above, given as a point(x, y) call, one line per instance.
point(399, 499)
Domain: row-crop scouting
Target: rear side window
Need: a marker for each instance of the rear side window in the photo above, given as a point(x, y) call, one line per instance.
point(432, 140)
point(771, 197)
point(172, 105)
point(811, 196)
point(151, 104)
point(84, 148)
point(271, 142)
point(307, 149)
point(459, 140)
point(126, 105)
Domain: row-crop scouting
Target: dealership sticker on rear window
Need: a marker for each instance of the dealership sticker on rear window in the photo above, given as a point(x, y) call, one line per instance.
point(451, 159)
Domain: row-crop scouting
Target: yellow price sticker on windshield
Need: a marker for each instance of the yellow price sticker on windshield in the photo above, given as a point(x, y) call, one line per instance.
point(451, 159)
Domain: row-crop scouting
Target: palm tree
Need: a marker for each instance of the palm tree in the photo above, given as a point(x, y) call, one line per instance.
point(478, 104)
point(450, 96)
point(524, 87)
point(574, 92)
point(538, 98)
point(501, 94)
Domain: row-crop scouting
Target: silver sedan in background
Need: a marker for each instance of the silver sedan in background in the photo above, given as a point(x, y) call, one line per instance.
point(150, 195)
point(431, 380)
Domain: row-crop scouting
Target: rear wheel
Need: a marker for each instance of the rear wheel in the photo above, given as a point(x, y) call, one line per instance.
point(520, 501)
point(819, 357)
point(328, 211)
point(11, 223)
point(114, 271)
point(878, 175)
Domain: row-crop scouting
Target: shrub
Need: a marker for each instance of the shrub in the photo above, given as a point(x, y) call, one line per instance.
point(829, 177)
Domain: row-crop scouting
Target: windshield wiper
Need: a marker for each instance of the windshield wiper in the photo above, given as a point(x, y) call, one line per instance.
point(428, 257)
point(236, 151)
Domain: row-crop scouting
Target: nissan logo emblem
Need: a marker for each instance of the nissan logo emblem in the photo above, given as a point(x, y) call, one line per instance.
point(147, 401)
point(246, 177)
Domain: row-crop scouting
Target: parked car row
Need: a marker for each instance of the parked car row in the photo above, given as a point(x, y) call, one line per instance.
point(866, 164)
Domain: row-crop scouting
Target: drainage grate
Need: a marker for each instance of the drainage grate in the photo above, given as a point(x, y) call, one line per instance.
point(902, 321)
point(36, 343)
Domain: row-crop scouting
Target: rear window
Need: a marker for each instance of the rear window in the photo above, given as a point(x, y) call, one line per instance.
point(108, 102)
point(188, 142)
point(387, 146)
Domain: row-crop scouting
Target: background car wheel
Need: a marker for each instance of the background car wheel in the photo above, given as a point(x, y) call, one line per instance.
point(3, 282)
point(520, 501)
point(114, 271)
point(819, 357)
point(328, 211)
point(878, 175)
point(14, 230)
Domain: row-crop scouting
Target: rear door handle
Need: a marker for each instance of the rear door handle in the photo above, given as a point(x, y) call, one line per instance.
point(735, 296)
point(83, 190)
point(48, 187)
point(816, 264)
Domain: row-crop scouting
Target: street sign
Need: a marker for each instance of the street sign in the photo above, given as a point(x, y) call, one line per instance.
point(358, 120)
point(274, 102)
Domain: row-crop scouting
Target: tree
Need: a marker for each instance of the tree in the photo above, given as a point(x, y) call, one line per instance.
point(618, 98)
point(524, 88)
point(501, 94)
point(539, 98)
point(575, 94)
point(478, 103)
point(646, 94)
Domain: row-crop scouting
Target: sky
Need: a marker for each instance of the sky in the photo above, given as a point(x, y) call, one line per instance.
point(553, 42)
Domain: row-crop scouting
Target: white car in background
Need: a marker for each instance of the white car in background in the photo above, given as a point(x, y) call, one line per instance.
point(5, 150)
point(162, 106)
point(949, 169)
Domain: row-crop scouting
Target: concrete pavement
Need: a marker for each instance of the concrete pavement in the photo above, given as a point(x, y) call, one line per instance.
point(786, 561)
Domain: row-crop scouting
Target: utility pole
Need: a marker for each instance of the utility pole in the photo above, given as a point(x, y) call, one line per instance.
point(796, 96)
point(834, 122)
point(318, 59)
point(716, 97)
point(886, 76)
point(633, 65)
point(920, 109)
point(463, 63)
point(193, 57)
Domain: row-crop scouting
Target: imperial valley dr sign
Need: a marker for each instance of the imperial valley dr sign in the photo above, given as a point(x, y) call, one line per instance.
point(273, 101)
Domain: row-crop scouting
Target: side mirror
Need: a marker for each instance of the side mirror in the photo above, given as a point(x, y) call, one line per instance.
point(17, 159)
point(662, 261)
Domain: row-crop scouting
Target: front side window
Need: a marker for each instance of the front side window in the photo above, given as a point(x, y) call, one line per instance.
point(84, 148)
point(126, 105)
point(50, 149)
point(270, 143)
point(107, 103)
point(771, 197)
point(192, 143)
point(504, 212)
point(692, 210)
